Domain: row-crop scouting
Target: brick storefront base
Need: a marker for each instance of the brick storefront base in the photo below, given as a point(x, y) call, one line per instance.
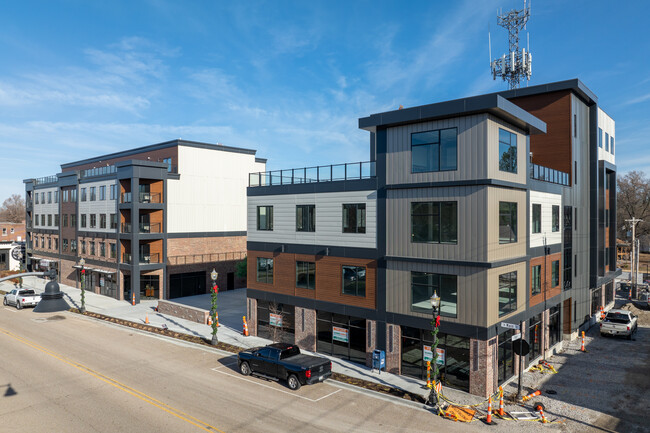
point(482, 368)
point(371, 340)
point(251, 316)
point(393, 348)
point(305, 326)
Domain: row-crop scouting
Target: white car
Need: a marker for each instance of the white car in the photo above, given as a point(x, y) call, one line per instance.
point(619, 322)
point(21, 298)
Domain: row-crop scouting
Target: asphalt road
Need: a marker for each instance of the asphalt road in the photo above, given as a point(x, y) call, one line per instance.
point(64, 372)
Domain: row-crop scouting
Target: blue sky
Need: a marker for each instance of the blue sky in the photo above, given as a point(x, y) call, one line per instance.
point(290, 79)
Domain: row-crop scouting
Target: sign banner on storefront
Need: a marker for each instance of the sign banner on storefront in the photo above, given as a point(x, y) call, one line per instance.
point(275, 320)
point(340, 334)
point(427, 355)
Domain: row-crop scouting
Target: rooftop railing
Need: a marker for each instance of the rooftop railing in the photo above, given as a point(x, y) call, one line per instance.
point(546, 174)
point(46, 179)
point(322, 173)
point(206, 258)
point(98, 171)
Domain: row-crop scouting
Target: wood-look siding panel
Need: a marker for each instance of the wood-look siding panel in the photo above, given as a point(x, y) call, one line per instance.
point(472, 231)
point(329, 277)
point(472, 150)
point(547, 282)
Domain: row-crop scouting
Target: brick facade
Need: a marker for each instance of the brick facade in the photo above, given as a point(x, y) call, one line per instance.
point(393, 348)
point(12, 232)
point(482, 369)
point(205, 245)
point(305, 328)
point(181, 311)
point(371, 340)
point(251, 316)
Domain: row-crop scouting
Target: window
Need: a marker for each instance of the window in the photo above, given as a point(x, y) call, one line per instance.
point(264, 217)
point(83, 194)
point(611, 148)
point(49, 220)
point(434, 222)
point(606, 217)
point(102, 249)
point(507, 222)
point(537, 218)
point(12, 231)
point(113, 250)
point(555, 273)
point(507, 293)
point(4, 232)
point(56, 243)
point(65, 245)
point(73, 195)
point(93, 220)
point(36, 219)
point(49, 196)
point(43, 198)
point(113, 192)
point(555, 219)
point(56, 196)
point(354, 218)
point(536, 279)
point(265, 270)
point(354, 280)
point(83, 247)
point(600, 137)
point(575, 125)
point(66, 196)
point(168, 161)
point(43, 220)
point(56, 220)
point(73, 220)
point(36, 197)
point(65, 220)
point(424, 284)
point(306, 218)
point(434, 150)
point(306, 275)
point(113, 220)
point(607, 142)
point(83, 220)
point(91, 244)
point(102, 192)
point(49, 243)
point(102, 220)
point(93, 197)
point(73, 246)
point(507, 151)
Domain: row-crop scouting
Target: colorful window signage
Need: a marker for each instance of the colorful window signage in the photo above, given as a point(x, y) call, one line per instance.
point(427, 355)
point(340, 334)
point(275, 320)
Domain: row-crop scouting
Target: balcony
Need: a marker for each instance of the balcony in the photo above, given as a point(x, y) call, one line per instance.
point(125, 197)
point(545, 174)
point(146, 259)
point(150, 197)
point(126, 228)
point(126, 258)
point(206, 258)
point(46, 180)
point(98, 171)
point(323, 173)
point(150, 227)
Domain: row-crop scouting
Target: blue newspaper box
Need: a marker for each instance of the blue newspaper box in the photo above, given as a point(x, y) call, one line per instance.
point(378, 360)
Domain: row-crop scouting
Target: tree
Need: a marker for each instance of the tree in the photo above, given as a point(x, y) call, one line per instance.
point(241, 268)
point(13, 209)
point(277, 324)
point(633, 200)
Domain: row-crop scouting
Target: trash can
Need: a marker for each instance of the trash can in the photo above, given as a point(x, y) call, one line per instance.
point(378, 360)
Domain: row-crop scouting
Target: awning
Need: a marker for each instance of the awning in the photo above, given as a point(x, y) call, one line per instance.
point(103, 271)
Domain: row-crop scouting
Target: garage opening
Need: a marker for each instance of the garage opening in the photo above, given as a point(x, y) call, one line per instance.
point(187, 284)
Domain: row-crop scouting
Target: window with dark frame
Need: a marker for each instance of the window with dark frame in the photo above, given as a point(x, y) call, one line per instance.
point(507, 151)
point(434, 150)
point(536, 280)
point(264, 270)
point(83, 194)
point(354, 280)
point(555, 218)
point(93, 196)
point(434, 222)
point(507, 222)
point(306, 275)
point(555, 273)
point(83, 221)
point(102, 220)
point(600, 137)
point(607, 142)
point(354, 218)
point(113, 192)
point(423, 284)
point(265, 218)
point(507, 293)
point(93, 220)
point(102, 192)
point(305, 218)
point(537, 218)
point(113, 221)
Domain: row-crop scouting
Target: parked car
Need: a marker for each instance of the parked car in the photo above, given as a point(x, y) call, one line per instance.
point(619, 322)
point(281, 361)
point(21, 298)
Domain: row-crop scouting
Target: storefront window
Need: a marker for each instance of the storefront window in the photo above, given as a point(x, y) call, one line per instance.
point(276, 321)
point(341, 336)
point(534, 337)
point(554, 328)
point(506, 356)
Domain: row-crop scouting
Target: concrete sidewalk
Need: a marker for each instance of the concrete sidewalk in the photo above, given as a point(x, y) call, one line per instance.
point(231, 306)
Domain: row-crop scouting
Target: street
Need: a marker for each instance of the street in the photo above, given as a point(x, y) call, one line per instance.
point(65, 372)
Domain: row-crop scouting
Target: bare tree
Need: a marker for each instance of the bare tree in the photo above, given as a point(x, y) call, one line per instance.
point(13, 209)
point(633, 200)
point(277, 331)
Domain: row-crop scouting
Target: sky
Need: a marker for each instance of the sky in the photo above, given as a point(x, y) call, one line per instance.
point(84, 78)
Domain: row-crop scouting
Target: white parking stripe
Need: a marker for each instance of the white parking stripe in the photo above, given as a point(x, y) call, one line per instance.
point(13, 310)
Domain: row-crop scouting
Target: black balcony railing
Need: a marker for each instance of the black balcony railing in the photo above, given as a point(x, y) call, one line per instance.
point(149, 258)
point(322, 173)
point(206, 258)
point(125, 197)
point(46, 179)
point(546, 174)
point(126, 228)
point(150, 227)
point(98, 171)
point(150, 197)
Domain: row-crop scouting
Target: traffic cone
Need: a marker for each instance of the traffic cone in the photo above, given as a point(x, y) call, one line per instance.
point(488, 420)
point(428, 374)
point(541, 413)
point(534, 394)
point(582, 347)
point(209, 320)
point(602, 313)
point(146, 319)
point(245, 327)
point(133, 300)
point(216, 318)
point(501, 411)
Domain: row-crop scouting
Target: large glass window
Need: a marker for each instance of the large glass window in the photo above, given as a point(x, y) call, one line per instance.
point(306, 218)
point(264, 217)
point(434, 222)
point(555, 273)
point(506, 356)
point(83, 194)
point(93, 196)
point(354, 218)
point(354, 280)
point(113, 192)
point(507, 222)
point(102, 192)
point(554, 328)
point(306, 275)
point(276, 321)
point(507, 151)
point(424, 284)
point(537, 218)
point(555, 217)
point(536, 279)
point(507, 293)
point(434, 150)
point(535, 336)
point(341, 336)
point(265, 270)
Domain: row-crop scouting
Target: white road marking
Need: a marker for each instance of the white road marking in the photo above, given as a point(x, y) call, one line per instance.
point(237, 376)
point(225, 364)
point(13, 310)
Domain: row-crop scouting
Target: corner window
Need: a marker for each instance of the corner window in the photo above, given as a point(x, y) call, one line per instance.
point(354, 280)
point(507, 222)
point(555, 273)
point(507, 293)
point(555, 219)
point(354, 218)
point(536, 279)
point(600, 137)
point(537, 218)
point(507, 151)
point(306, 275)
point(264, 270)
point(424, 284)
point(306, 218)
point(264, 217)
point(434, 150)
point(611, 148)
point(434, 222)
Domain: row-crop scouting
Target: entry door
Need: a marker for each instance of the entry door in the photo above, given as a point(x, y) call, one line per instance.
point(566, 316)
point(231, 281)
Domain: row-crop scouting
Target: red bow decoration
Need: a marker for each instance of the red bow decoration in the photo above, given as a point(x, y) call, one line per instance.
point(215, 289)
point(83, 271)
point(437, 321)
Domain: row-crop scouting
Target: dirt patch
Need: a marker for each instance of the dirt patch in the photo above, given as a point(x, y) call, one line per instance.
point(643, 315)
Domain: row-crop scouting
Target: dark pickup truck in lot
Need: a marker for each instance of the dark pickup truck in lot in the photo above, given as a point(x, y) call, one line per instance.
point(282, 361)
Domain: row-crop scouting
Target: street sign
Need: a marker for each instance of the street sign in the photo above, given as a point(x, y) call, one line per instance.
point(516, 337)
point(509, 325)
point(521, 348)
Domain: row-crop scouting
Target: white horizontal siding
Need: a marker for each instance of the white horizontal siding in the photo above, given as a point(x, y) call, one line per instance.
point(547, 201)
point(45, 208)
point(97, 207)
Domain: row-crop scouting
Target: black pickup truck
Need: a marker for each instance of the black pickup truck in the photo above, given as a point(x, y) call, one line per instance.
point(282, 361)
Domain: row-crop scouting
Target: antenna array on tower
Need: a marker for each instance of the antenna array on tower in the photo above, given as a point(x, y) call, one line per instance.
point(516, 65)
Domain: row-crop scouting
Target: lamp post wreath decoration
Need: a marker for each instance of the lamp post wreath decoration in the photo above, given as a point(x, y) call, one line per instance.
point(213, 307)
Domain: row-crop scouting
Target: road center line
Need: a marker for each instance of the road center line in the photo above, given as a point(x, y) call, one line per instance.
point(132, 391)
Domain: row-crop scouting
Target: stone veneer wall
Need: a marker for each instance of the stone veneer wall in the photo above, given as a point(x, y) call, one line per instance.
point(482, 369)
point(393, 348)
point(251, 316)
point(305, 335)
point(371, 340)
point(186, 312)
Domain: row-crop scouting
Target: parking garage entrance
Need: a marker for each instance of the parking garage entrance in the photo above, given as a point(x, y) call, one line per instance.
point(187, 284)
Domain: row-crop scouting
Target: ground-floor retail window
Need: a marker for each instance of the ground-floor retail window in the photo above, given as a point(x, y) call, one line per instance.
point(276, 321)
point(187, 284)
point(595, 300)
point(506, 356)
point(453, 356)
point(149, 286)
point(534, 336)
point(341, 336)
point(554, 326)
point(108, 285)
point(609, 293)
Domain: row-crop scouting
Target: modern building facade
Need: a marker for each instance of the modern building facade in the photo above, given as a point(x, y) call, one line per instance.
point(502, 204)
point(150, 222)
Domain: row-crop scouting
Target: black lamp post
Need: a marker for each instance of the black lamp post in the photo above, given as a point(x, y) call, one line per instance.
point(435, 323)
point(213, 309)
point(82, 263)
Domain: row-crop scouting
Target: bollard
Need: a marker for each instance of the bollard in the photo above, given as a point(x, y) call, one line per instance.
point(541, 414)
point(501, 411)
point(245, 327)
point(582, 347)
point(534, 394)
point(428, 374)
point(146, 319)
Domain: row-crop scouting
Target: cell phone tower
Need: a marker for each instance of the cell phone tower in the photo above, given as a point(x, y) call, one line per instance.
point(516, 65)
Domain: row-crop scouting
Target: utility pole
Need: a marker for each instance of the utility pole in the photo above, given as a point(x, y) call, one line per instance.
point(633, 261)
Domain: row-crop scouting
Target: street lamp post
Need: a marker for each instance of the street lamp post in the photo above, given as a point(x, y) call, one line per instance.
point(213, 310)
point(435, 323)
point(82, 263)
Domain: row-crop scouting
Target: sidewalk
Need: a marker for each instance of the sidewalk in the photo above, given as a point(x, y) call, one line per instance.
point(232, 306)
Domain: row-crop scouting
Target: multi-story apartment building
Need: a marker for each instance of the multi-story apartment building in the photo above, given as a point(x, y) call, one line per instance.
point(499, 203)
point(150, 222)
